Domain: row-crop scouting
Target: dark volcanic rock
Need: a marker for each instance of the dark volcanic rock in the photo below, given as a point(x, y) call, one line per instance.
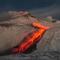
point(20, 22)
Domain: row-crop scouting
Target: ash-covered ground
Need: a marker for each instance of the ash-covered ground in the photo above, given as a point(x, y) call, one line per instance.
point(47, 49)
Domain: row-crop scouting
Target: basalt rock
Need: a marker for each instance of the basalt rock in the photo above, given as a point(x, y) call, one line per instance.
point(16, 25)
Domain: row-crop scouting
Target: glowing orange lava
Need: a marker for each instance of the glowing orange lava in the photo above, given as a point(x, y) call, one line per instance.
point(33, 38)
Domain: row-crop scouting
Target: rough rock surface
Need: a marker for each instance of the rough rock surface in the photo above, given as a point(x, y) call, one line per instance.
point(47, 49)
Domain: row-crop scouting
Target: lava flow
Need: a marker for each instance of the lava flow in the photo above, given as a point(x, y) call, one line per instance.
point(31, 39)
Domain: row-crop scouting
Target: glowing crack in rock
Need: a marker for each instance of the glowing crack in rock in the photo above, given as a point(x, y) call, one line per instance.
point(31, 39)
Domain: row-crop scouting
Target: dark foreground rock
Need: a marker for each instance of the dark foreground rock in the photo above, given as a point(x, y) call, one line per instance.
point(47, 49)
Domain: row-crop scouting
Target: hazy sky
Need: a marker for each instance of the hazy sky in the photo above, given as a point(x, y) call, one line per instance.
point(26, 4)
point(37, 7)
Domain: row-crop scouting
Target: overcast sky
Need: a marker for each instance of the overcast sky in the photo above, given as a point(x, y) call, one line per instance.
point(26, 4)
point(37, 7)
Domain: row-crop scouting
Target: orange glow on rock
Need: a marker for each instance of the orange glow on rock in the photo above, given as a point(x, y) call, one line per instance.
point(38, 25)
point(33, 38)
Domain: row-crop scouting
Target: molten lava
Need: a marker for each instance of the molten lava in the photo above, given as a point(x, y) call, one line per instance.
point(31, 39)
